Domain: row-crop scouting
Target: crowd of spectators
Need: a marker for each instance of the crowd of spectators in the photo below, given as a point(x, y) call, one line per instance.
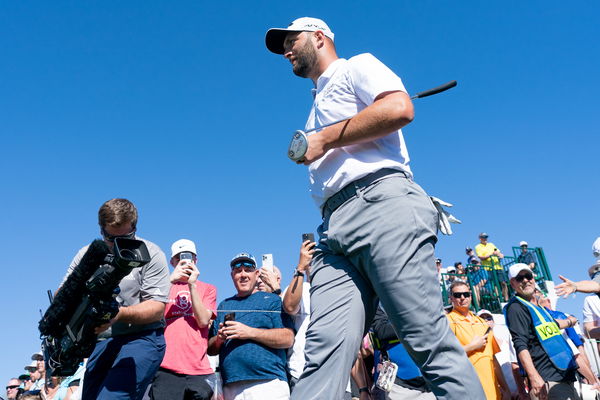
point(251, 345)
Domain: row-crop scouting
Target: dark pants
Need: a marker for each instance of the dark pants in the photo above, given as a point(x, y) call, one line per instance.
point(168, 385)
point(122, 367)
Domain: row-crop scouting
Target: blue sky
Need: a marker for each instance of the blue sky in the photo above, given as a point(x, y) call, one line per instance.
point(179, 107)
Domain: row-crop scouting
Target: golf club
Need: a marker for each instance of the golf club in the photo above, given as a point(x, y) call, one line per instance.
point(299, 144)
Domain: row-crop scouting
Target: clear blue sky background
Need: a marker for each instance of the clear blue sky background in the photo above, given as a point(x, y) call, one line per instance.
point(179, 107)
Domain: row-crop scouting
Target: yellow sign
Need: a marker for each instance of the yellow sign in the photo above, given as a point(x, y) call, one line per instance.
point(547, 330)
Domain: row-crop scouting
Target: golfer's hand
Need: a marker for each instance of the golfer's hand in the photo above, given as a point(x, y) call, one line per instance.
point(316, 148)
point(566, 288)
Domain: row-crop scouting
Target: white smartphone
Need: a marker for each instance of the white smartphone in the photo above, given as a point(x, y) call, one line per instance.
point(267, 261)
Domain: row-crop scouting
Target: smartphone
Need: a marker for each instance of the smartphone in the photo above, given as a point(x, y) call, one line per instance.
point(488, 330)
point(308, 236)
point(267, 261)
point(229, 317)
point(186, 255)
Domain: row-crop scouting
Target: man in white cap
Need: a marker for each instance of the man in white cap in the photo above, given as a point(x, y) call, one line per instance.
point(38, 358)
point(542, 352)
point(596, 249)
point(185, 371)
point(526, 257)
point(379, 227)
point(37, 383)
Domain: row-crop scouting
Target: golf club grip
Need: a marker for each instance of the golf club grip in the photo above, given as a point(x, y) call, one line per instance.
point(435, 90)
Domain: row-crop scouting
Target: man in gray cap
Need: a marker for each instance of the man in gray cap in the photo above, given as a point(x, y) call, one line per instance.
point(379, 227)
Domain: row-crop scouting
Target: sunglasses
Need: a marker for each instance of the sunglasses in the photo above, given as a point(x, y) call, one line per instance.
point(111, 238)
point(12, 387)
point(487, 318)
point(528, 276)
point(242, 264)
point(458, 295)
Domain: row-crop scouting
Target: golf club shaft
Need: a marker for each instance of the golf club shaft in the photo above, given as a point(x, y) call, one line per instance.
point(435, 90)
point(430, 92)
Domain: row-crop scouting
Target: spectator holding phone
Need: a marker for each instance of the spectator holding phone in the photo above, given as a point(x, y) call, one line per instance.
point(269, 280)
point(296, 303)
point(477, 338)
point(251, 335)
point(185, 371)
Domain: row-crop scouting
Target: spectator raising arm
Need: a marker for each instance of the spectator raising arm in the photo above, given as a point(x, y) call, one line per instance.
point(293, 296)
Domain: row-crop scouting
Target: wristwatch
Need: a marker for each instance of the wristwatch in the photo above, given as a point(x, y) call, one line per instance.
point(298, 273)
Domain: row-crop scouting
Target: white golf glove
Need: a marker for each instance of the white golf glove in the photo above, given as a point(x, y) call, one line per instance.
point(445, 218)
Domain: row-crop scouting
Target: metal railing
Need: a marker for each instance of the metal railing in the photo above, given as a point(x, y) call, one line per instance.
point(490, 285)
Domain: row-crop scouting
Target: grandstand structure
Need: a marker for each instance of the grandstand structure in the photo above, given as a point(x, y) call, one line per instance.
point(489, 295)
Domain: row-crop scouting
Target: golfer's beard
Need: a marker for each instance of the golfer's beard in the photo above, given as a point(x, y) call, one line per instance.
point(306, 59)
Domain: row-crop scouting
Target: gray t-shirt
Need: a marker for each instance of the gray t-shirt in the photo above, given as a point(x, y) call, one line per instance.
point(150, 282)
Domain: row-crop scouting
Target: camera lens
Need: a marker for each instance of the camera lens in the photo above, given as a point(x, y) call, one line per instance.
point(130, 255)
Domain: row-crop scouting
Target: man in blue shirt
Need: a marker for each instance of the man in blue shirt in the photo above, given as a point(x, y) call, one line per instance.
point(251, 335)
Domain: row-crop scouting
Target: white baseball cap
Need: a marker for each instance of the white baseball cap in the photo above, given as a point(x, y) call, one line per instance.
point(31, 367)
point(37, 356)
point(182, 245)
point(514, 269)
point(275, 36)
point(596, 248)
point(523, 243)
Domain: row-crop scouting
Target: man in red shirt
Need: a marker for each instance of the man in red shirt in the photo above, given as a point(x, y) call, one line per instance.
point(185, 372)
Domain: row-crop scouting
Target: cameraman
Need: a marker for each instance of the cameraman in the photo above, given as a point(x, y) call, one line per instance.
point(123, 365)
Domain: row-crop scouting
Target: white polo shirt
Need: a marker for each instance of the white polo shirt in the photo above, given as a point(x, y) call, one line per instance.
point(343, 90)
point(591, 309)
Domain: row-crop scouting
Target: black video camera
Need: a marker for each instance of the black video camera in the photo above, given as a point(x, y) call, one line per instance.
point(86, 300)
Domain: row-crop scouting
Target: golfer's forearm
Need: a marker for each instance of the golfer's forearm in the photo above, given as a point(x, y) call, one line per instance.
point(587, 286)
point(384, 116)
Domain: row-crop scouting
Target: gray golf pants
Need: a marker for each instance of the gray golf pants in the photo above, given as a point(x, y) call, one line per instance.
point(379, 245)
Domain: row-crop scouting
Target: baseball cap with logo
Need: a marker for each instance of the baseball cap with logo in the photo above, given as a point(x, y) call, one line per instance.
point(182, 245)
point(275, 36)
point(243, 257)
point(514, 269)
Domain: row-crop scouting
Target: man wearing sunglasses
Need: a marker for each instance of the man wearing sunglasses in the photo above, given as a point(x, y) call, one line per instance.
point(251, 335)
point(123, 365)
point(542, 352)
point(12, 389)
point(477, 339)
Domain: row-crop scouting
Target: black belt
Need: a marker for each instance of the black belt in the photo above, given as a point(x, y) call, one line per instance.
point(349, 191)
